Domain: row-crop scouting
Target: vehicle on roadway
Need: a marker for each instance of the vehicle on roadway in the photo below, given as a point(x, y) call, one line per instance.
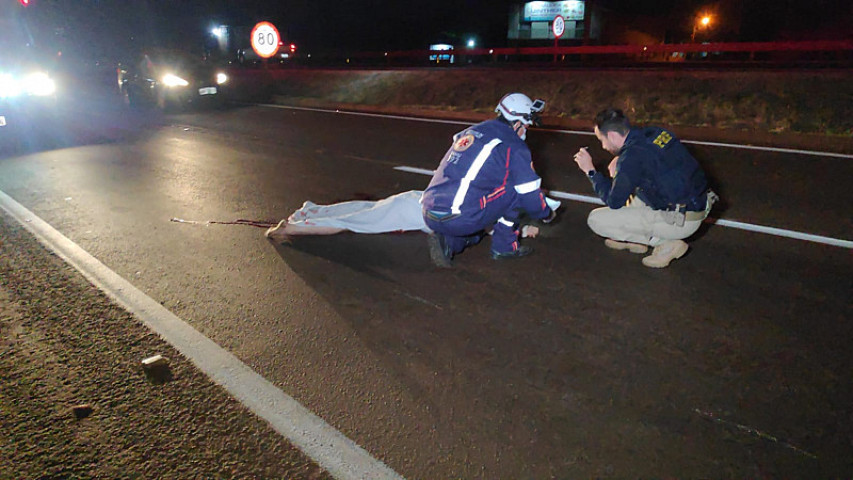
point(28, 91)
point(170, 80)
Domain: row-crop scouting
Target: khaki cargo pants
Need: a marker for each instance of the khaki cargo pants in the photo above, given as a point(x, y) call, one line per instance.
point(638, 223)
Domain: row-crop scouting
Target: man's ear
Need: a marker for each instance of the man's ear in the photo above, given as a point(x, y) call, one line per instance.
point(616, 139)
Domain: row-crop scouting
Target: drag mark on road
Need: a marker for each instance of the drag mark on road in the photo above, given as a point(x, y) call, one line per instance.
point(752, 431)
point(418, 299)
point(779, 232)
point(339, 455)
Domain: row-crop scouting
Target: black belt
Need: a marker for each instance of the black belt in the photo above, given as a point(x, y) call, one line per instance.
point(693, 215)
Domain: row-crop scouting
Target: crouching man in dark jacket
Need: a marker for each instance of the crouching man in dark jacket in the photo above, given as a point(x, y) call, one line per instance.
point(656, 194)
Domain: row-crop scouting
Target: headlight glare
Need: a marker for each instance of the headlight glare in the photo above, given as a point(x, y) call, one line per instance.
point(9, 87)
point(221, 78)
point(171, 80)
point(39, 84)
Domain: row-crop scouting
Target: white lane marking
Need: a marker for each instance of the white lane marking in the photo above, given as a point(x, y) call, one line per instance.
point(364, 114)
point(339, 455)
point(571, 132)
point(575, 197)
point(422, 171)
point(770, 149)
point(739, 146)
point(779, 232)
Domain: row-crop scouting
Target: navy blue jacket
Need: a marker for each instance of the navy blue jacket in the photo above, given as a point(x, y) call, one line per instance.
point(485, 162)
point(657, 168)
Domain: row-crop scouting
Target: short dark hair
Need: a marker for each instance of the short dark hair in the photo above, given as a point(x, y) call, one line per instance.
point(612, 120)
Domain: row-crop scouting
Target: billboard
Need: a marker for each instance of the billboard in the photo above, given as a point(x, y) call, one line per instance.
point(441, 57)
point(546, 11)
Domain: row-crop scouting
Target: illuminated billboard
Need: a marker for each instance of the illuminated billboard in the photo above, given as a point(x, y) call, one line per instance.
point(546, 11)
point(441, 57)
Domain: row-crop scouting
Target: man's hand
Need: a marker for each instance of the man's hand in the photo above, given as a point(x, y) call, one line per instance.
point(612, 166)
point(529, 231)
point(584, 160)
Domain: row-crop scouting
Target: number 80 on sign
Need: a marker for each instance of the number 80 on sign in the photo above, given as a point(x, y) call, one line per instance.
point(559, 26)
point(265, 39)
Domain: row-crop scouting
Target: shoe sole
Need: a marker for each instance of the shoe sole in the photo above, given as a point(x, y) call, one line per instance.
point(508, 257)
point(631, 247)
point(436, 253)
point(678, 253)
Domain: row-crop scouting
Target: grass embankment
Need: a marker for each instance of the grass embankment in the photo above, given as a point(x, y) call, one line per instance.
point(809, 102)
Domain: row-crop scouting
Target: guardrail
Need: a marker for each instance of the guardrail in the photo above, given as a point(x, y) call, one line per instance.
point(812, 46)
point(843, 49)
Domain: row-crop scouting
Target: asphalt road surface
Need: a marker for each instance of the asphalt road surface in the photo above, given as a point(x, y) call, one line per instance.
point(574, 362)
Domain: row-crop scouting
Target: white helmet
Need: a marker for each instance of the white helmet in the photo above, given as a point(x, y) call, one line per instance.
point(518, 106)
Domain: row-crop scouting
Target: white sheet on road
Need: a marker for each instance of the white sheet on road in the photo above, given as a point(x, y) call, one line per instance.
point(397, 213)
point(400, 212)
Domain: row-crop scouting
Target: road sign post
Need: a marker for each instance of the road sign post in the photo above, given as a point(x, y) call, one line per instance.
point(558, 27)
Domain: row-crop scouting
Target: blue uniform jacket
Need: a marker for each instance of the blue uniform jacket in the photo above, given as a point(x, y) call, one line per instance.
point(485, 162)
point(657, 168)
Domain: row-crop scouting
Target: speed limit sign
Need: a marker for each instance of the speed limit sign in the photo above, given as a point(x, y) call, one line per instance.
point(559, 26)
point(265, 39)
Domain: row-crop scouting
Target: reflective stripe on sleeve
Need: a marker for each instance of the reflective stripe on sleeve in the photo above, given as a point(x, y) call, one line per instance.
point(528, 187)
point(506, 222)
point(471, 174)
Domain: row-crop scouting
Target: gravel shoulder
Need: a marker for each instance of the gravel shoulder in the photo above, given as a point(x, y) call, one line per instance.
point(75, 401)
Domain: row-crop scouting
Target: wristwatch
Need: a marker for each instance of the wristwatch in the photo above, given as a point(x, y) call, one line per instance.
point(591, 173)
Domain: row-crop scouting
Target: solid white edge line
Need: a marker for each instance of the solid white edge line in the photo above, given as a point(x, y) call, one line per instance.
point(571, 132)
point(769, 149)
point(739, 146)
point(321, 442)
point(779, 232)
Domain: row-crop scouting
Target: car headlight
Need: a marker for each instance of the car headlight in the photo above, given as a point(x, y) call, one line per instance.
point(171, 80)
point(221, 78)
point(39, 84)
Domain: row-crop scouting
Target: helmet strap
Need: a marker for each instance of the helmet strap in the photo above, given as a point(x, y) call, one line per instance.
point(517, 127)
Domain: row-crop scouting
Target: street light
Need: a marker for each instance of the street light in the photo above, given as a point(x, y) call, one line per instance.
point(471, 43)
point(702, 22)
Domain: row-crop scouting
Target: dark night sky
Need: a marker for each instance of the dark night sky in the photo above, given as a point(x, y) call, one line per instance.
point(358, 25)
point(334, 24)
point(390, 24)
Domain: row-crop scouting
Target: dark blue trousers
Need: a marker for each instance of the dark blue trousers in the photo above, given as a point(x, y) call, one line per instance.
point(460, 231)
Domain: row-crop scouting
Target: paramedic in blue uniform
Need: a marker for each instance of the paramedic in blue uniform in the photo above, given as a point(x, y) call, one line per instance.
point(656, 194)
point(486, 181)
